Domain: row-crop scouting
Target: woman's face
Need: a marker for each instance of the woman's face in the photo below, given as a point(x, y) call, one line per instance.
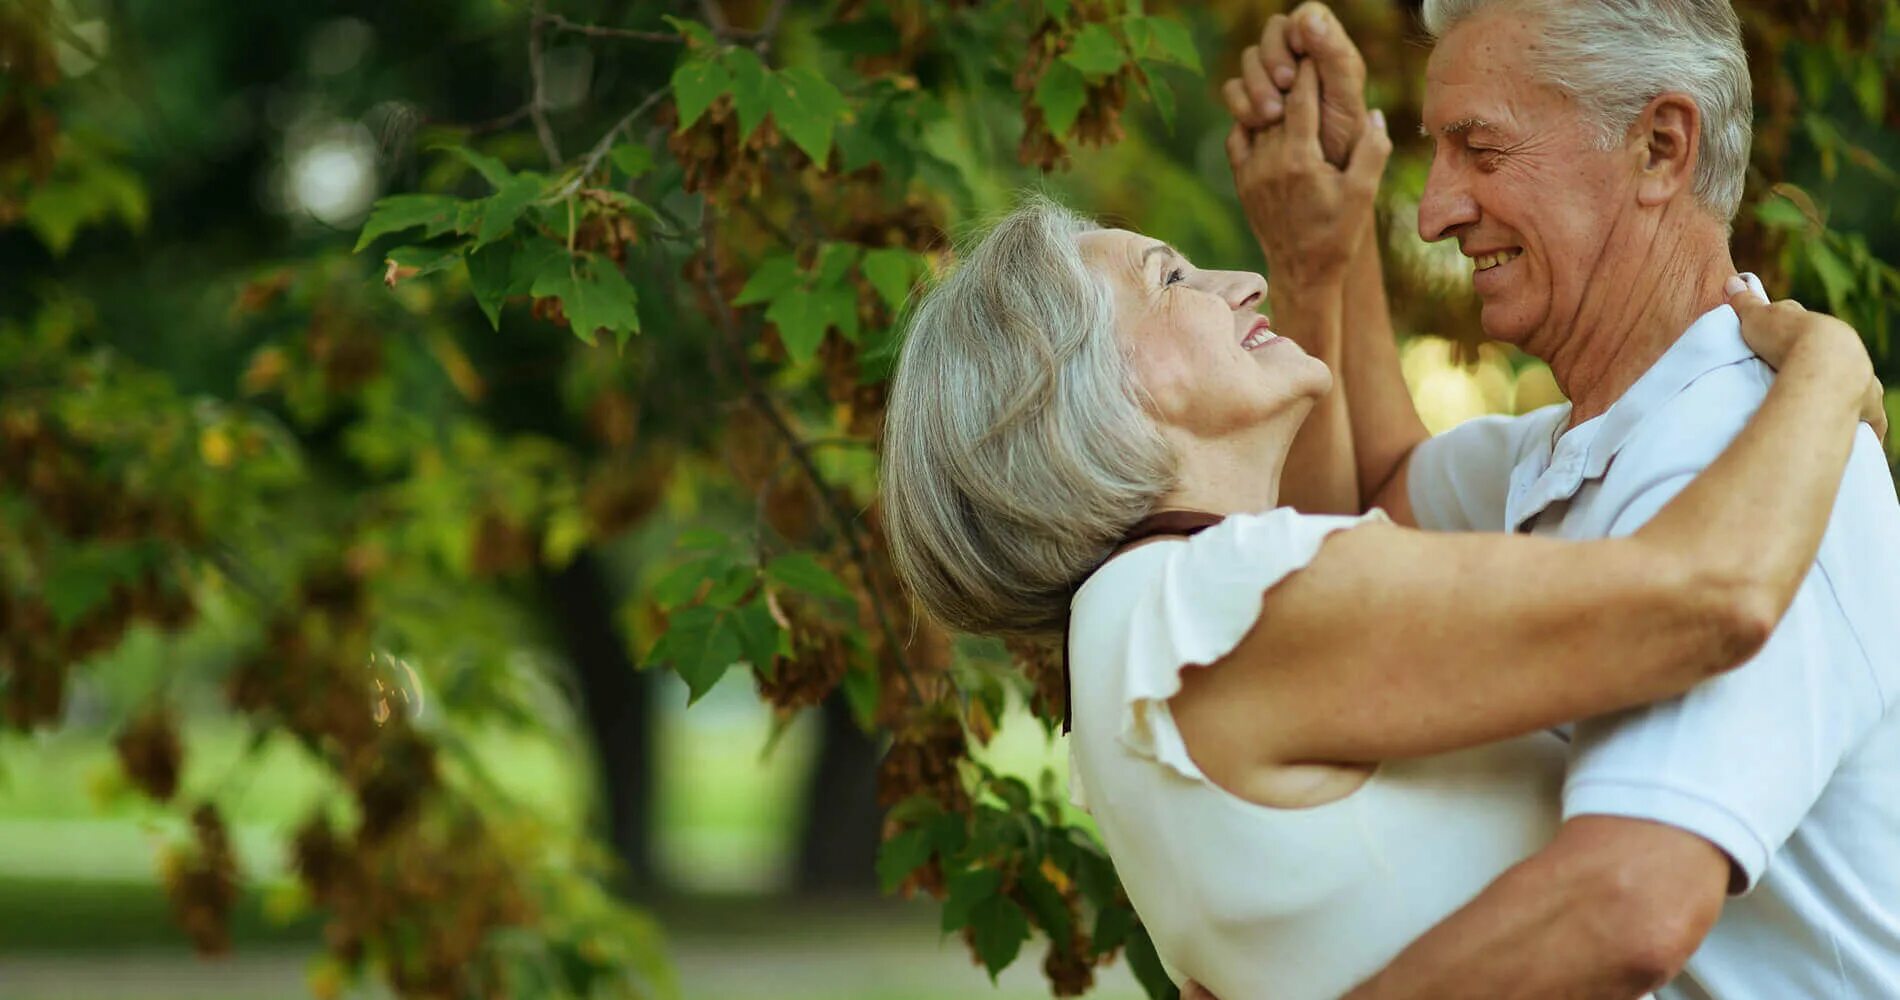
point(1206, 357)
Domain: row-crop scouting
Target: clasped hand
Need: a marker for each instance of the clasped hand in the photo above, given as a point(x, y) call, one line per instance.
point(1306, 155)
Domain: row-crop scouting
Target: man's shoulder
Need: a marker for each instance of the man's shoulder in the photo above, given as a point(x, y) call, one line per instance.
point(1687, 431)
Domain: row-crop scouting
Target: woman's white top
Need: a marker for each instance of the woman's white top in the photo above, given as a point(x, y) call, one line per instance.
point(1251, 901)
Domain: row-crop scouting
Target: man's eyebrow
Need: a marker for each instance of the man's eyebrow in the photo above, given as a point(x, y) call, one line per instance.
point(1458, 127)
point(1157, 248)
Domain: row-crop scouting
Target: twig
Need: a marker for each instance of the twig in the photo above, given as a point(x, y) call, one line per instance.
point(500, 122)
point(538, 104)
point(591, 161)
point(602, 31)
point(801, 453)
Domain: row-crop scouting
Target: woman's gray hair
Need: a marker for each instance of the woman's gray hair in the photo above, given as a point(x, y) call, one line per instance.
point(1016, 448)
point(1614, 56)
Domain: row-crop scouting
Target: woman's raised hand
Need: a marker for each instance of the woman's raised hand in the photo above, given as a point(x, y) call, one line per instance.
point(1308, 214)
point(1776, 331)
point(1257, 98)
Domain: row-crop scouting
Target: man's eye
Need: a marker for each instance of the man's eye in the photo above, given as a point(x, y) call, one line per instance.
point(1174, 276)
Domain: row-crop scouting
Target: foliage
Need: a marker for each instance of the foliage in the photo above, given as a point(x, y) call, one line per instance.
point(350, 491)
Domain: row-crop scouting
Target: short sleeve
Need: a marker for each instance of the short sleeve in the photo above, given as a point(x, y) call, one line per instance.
point(1460, 480)
point(1740, 759)
point(1203, 600)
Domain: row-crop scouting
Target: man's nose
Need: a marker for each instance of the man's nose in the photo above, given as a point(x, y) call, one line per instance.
point(1446, 205)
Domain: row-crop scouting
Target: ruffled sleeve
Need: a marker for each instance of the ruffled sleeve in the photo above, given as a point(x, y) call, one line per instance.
point(1204, 599)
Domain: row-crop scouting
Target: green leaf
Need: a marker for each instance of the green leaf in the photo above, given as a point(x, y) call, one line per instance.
point(1060, 94)
point(1164, 39)
point(1112, 925)
point(1835, 276)
point(490, 269)
point(696, 84)
point(801, 316)
point(751, 89)
point(490, 168)
point(595, 296)
point(732, 586)
point(835, 260)
point(800, 572)
point(1095, 52)
point(632, 158)
point(1146, 965)
point(84, 578)
point(999, 929)
point(435, 212)
point(500, 210)
point(806, 107)
point(760, 637)
point(769, 280)
point(1781, 213)
point(901, 855)
point(695, 33)
point(1055, 10)
point(426, 260)
point(1046, 903)
point(699, 647)
point(1163, 97)
point(889, 270)
point(678, 585)
point(963, 890)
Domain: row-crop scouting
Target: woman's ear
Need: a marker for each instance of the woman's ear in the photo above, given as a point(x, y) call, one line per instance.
point(1669, 136)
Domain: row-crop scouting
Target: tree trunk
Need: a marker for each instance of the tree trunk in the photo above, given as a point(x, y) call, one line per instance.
point(837, 853)
point(618, 704)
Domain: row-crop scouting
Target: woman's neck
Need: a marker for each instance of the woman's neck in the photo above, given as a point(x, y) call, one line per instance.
point(1235, 474)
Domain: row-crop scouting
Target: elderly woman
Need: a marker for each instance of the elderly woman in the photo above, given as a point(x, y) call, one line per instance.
point(1305, 738)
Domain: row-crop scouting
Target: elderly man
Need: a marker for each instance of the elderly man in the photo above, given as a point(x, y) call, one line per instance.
point(1588, 157)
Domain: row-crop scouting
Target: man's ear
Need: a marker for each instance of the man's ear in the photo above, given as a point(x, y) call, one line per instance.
point(1668, 136)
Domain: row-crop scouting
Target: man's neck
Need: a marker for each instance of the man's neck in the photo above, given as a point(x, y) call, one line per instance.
point(1637, 315)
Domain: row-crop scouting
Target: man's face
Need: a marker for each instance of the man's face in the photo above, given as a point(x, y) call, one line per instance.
point(1517, 180)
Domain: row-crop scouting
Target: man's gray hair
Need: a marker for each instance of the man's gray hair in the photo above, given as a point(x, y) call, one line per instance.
point(1614, 56)
point(1016, 448)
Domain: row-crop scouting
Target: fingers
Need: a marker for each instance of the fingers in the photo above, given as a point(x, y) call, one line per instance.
point(1302, 105)
point(1276, 53)
point(1238, 144)
point(1369, 155)
point(1265, 96)
point(1240, 104)
point(1314, 31)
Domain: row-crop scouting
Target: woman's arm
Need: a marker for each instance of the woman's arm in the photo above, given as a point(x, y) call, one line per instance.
point(1384, 424)
point(1293, 198)
point(1395, 643)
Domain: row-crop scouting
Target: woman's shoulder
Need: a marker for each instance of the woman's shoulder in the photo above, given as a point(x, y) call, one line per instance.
point(1243, 552)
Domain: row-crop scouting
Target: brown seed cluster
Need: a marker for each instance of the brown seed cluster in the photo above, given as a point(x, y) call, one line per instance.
point(202, 882)
point(59, 474)
point(1099, 122)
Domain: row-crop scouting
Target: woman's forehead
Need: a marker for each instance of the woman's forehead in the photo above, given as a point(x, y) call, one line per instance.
point(1117, 249)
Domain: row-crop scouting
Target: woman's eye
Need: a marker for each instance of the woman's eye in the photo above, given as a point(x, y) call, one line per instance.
point(1175, 275)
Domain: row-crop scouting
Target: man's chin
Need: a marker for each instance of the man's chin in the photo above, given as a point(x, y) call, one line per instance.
point(1506, 322)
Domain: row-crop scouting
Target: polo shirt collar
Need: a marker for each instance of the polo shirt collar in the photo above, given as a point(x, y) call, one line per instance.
point(1545, 475)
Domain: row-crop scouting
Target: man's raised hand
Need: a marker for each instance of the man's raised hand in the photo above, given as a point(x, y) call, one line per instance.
point(1257, 98)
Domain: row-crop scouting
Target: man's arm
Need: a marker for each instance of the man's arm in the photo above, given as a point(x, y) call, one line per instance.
point(1611, 908)
point(1385, 424)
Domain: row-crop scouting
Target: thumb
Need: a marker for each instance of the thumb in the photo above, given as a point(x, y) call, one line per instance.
point(1367, 163)
point(1744, 293)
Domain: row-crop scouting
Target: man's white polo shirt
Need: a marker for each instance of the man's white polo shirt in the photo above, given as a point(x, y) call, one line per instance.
point(1791, 763)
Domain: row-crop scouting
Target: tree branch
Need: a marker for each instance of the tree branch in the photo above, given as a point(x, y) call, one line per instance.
point(801, 453)
point(560, 23)
point(538, 104)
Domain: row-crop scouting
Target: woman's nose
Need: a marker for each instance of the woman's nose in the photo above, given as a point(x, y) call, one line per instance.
point(1247, 291)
